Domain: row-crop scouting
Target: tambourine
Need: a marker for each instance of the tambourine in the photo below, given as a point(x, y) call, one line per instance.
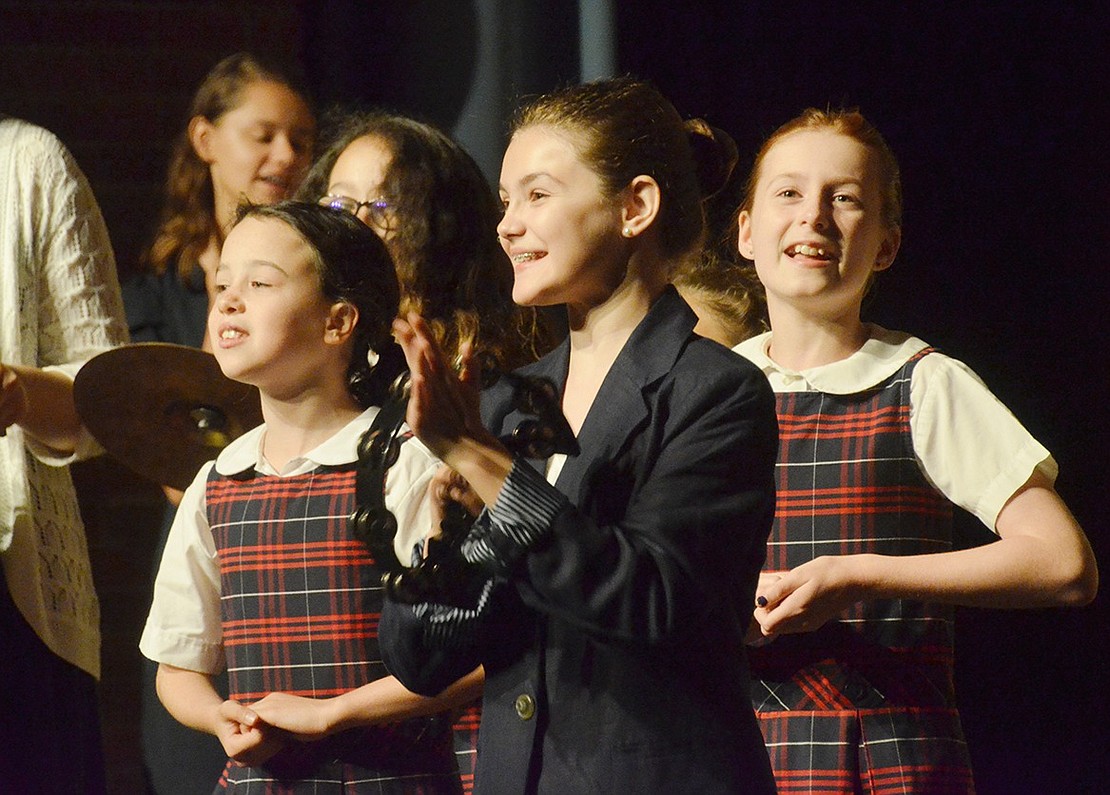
point(442, 575)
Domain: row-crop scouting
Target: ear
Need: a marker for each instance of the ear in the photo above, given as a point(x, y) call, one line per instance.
point(641, 205)
point(744, 238)
point(888, 250)
point(200, 136)
point(340, 324)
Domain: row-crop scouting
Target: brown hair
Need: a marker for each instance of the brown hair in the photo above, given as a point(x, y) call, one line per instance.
point(187, 222)
point(625, 127)
point(852, 124)
point(450, 266)
point(727, 289)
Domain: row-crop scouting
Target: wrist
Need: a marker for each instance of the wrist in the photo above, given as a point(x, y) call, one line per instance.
point(483, 462)
point(340, 713)
point(865, 576)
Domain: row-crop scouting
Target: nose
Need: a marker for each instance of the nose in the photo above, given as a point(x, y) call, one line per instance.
point(816, 211)
point(363, 214)
point(282, 150)
point(228, 301)
point(509, 226)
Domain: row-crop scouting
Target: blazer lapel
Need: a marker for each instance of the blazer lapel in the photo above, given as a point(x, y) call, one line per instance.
point(620, 407)
point(553, 367)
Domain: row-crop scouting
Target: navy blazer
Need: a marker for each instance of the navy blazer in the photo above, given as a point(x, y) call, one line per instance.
point(614, 654)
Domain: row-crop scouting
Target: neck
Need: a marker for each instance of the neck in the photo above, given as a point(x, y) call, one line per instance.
point(224, 213)
point(597, 335)
point(298, 424)
point(603, 326)
point(801, 340)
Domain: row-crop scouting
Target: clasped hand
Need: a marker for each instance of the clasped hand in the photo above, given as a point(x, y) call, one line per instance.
point(804, 598)
point(251, 735)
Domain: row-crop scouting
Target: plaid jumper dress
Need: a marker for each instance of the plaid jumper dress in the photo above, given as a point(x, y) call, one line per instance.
point(300, 605)
point(866, 703)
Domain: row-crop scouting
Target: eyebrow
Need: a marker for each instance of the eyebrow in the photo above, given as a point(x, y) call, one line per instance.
point(254, 263)
point(528, 179)
point(794, 175)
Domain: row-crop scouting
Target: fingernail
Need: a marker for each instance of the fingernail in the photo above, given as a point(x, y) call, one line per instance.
point(761, 601)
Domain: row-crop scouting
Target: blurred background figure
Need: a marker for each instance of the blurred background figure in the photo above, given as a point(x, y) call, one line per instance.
point(726, 296)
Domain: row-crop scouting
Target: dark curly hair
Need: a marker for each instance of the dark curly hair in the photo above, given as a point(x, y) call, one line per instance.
point(450, 266)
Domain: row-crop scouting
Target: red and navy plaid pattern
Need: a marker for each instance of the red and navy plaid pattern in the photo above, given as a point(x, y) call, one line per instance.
point(866, 703)
point(466, 743)
point(301, 598)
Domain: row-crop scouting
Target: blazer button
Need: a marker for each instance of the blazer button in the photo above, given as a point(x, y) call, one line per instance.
point(525, 706)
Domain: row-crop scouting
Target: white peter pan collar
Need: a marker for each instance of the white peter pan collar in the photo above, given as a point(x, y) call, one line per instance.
point(880, 357)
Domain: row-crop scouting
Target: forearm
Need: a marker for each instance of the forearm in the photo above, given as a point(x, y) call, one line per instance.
point(190, 697)
point(1041, 559)
point(1018, 572)
point(386, 700)
point(49, 415)
point(483, 462)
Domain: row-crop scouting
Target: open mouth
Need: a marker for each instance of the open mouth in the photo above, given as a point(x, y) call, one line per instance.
point(526, 256)
point(811, 252)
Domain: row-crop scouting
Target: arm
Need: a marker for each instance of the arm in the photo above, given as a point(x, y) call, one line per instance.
point(190, 697)
point(78, 304)
point(385, 700)
point(1042, 557)
point(41, 403)
point(443, 412)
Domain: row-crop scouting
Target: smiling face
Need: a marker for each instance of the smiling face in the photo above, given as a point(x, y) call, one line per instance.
point(561, 232)
point(270, 317)
point(260, 149)
point(815, 229)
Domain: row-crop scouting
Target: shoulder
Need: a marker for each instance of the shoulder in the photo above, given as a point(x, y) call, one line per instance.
point(705, 366)
point(938, 374)
point(30, 144)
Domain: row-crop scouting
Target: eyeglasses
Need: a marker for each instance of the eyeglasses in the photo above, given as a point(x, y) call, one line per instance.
point(379, 216)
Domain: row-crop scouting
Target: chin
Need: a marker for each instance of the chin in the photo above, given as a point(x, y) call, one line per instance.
point(527, 295)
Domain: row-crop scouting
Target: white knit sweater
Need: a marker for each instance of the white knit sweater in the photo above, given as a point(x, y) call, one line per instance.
point(59, 305)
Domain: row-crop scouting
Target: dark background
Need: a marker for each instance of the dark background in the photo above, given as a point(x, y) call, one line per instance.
point(998, 114)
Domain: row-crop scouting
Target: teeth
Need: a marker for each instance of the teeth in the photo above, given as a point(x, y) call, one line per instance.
point(230, 334)
point(527, 256)
point(809, 251)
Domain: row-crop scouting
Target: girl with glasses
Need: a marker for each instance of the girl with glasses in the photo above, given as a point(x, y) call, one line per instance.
point(427, 199)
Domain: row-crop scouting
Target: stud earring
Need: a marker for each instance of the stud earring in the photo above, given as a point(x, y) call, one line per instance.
point(627, 231)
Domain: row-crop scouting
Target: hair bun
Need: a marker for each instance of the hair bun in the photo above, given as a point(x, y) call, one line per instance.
point(715, 155)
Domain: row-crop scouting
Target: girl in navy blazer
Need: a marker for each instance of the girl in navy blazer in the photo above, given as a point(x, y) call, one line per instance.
point(617, 580)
